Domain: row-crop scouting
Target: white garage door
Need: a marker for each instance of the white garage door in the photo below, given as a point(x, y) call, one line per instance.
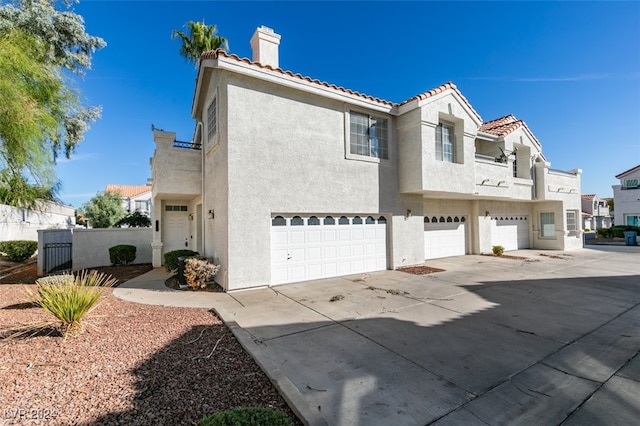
point(444, 236)
point(510, 232)
point(312, 247)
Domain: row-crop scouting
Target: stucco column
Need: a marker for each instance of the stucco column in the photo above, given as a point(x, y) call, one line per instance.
point(156, 243)
point(475, 227)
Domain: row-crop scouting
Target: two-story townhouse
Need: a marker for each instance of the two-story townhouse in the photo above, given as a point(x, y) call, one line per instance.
point(290, 178)
point(134, 197)
point(595, 212)
point(626, 197)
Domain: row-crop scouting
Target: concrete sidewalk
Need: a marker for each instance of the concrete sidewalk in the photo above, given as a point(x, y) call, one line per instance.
point(548, 339)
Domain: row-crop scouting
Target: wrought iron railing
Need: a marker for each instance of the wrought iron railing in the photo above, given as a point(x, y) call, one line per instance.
point(186, 145)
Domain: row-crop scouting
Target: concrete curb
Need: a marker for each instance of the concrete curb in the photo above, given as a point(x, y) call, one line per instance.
point(296, 400)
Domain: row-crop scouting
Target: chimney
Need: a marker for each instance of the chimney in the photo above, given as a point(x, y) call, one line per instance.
point(264, 45)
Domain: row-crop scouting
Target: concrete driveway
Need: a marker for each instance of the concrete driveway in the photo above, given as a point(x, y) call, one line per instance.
point(551, 339)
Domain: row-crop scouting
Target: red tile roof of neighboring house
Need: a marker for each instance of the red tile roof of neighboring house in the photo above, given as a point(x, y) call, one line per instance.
point(128, 191)
point(618, 176)
point(588, 196)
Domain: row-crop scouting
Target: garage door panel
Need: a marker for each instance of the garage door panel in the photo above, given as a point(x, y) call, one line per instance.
point(311, 250)
point(444, 239)
point(512, 233)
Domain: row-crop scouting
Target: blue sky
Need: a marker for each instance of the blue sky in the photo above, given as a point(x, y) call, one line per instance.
point(571, 70)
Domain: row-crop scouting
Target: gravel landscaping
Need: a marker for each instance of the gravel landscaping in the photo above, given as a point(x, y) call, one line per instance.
point(136, 365)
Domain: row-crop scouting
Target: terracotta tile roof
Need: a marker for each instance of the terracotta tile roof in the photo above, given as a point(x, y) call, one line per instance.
point(215, 54)
point(618, 176)
point(128, 191)
point(442, 88)
point(504, 125)
point(588, 197)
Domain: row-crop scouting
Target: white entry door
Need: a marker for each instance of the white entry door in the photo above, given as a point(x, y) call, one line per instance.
point(510, 232)
point(313, 247)
point(444, 236)
point(175, 229)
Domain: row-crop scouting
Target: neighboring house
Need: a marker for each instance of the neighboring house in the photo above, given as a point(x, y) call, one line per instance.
point(23, 224)
point(626, 198)
point(291, 179)
point(134, 197)
point(595, 212)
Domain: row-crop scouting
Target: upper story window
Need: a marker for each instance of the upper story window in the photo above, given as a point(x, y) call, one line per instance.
point(212, 119)
point(445, 143)
point(368, 135)
point(631, 183)
point(141, 205)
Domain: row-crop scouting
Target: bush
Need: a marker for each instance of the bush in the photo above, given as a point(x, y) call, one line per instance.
point(498, 250)
point(70, 298)
point(171, 258)
point(587, 230)
point(199, 270)
point(604, 232)
point(122, 254)
point(18, 250)
point(134, 220)
point(255, 416)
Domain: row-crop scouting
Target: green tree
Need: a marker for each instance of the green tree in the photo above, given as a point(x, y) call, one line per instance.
point(134, 220)
point(610, 203)
point(40, 113)
point(104, 210)
point(198, 39)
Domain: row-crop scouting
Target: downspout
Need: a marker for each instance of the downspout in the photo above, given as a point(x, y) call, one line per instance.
point(202, 221)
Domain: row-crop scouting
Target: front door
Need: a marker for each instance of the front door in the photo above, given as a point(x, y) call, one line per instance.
point(175, 231)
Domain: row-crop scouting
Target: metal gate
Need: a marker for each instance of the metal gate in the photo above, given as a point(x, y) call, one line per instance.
point(57, 258)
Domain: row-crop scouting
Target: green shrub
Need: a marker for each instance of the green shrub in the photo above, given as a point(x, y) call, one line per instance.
point(171, 258)
point(242, 416)
point(70, 298)
point(498, 250)
point(122, 254)
point(18, 250)
point(604, 232)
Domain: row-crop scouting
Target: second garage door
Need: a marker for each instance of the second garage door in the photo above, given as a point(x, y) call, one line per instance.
point(510, 232)
point(444, 236)
point(313, 247)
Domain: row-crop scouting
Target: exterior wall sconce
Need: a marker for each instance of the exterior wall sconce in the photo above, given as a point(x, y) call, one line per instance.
point(211, 214)
point(408, 214)
point(486, 213)
point(190, 216)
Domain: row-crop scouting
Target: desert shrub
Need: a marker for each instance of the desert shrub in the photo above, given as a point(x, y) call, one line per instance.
point(498, 250)
point(18, 250)
point(171, 258)
point(199, 270)
point(122, 254)
point(241, 416)
point(70, 298)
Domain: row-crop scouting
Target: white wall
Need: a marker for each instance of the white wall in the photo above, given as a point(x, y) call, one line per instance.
point(91, 246)
point(626, 201)
point(23, 224)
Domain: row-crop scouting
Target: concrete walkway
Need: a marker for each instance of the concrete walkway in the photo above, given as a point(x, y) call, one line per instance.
point(552, 339)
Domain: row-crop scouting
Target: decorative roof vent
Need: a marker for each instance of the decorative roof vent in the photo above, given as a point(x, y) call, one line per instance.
point(264, 45)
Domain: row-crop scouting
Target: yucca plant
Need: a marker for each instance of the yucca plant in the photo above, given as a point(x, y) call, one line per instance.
point(70, 298)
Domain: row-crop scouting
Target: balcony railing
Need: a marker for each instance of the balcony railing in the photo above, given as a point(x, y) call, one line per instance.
point(187, 145)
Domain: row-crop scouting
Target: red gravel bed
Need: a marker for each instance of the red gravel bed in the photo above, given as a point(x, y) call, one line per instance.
point(141, 365)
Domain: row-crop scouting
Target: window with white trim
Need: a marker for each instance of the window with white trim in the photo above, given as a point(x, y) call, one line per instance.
point(212, 119)
point(368, 135)
point(632, 220)
point(547, 225)
point(572, 220)
point(445, 143)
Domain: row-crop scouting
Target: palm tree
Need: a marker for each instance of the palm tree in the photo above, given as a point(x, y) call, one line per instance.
point(200, 38)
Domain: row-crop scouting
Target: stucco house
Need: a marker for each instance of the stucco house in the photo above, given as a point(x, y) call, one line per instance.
point(626, 197)
point(595, 212)
point(134, 197)
point(290, 179)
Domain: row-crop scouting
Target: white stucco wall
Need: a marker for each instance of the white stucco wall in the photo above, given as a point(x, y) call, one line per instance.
point(626, 201)
point(23, 224)
point(91, 246)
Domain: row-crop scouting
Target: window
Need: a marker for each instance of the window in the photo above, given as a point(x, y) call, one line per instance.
point(329, 220)
point(212, 119)
point(278, 221)
point(515, 166)
point(175, 208)
point(633, 220)
point(572, 222)
point(445, 143)
point(141, 205)
point(368, 135)
point(547, 225)
point(297, 221)
point(632, 183)
point(313, 221)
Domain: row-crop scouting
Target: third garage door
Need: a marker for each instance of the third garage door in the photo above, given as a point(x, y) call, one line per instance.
point(510, 232)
